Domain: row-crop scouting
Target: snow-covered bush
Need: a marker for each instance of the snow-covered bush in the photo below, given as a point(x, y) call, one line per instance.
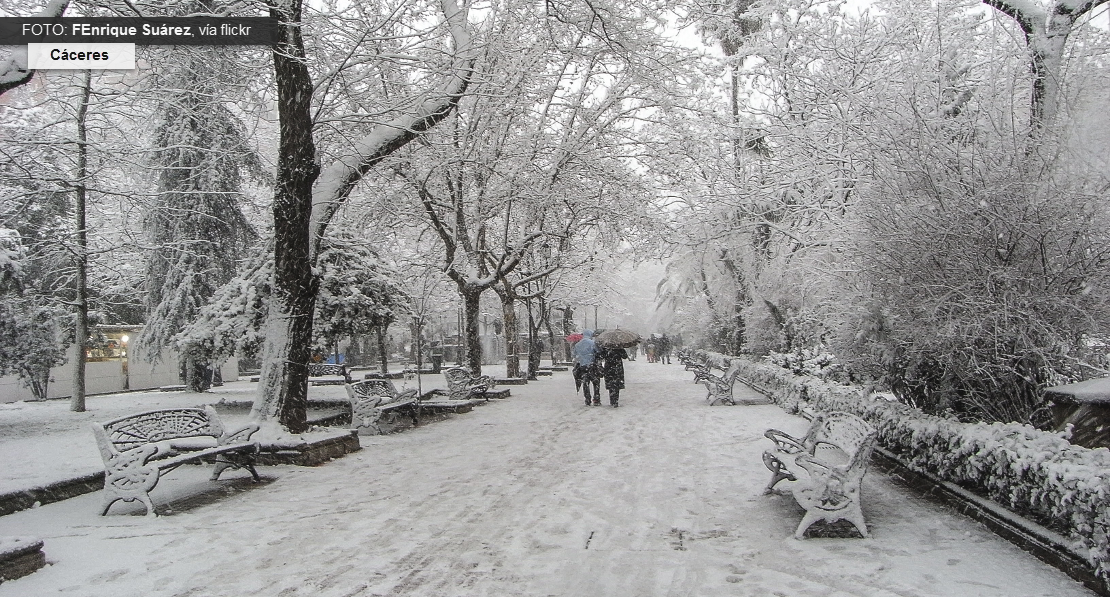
point(811, 361)
point(1037, 473)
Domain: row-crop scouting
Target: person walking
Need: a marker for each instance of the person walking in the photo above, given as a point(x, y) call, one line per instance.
point(612, 369)
point(664, 349)
point(586, 373)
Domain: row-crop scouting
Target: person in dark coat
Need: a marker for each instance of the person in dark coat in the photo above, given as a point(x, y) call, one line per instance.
point(612, 370)
point(663, 349)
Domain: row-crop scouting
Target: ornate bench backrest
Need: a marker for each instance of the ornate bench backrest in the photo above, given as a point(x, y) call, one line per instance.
point(157, 425)
point(320, 369)
point(459, 382)
point(375, 387)
point(853, 437)
point(732, 372)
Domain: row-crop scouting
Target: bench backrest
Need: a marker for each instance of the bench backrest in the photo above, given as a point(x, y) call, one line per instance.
point(457, 376)
point(732, 372)
point(841, 432)
point(321, 369)
point(373, 387)
point(157, 425)
point(461, 383)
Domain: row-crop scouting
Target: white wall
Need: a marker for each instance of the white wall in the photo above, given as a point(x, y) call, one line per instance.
point(104, 377)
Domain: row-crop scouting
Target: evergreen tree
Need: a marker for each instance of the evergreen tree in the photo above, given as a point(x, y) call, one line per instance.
point(195, 226)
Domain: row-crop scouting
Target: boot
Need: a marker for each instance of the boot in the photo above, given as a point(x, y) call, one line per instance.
point(613, 404)
point(597, 401)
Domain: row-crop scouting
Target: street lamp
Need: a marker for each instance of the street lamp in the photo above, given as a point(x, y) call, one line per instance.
point(123, 362)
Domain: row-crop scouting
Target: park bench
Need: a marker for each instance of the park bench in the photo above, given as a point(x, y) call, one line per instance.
point(826, 468)
point(328, 374)
point(719, 387)
point(373, 399)
point(464, 385)
point(138, 448)
point(700, 364)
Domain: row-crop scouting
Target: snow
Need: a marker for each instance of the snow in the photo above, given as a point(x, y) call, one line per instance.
point(532, 495)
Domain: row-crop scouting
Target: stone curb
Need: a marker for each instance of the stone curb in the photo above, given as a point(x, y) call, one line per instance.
point(1047, 545)
point(307, 454)
point(55, 492)
point(22, 558)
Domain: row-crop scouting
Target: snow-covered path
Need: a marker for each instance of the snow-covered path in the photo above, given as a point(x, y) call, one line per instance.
point(536, 495)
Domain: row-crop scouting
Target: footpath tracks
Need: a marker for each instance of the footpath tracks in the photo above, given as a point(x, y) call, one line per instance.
point(536, 495)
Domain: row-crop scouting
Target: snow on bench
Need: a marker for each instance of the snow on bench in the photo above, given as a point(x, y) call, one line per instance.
point(373, 399)
point(464, 385)
point(138, 448)
point(328, 374)
point(719, 387)
point(826, 468)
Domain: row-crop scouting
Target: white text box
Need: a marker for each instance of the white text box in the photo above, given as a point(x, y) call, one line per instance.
point(81, 56)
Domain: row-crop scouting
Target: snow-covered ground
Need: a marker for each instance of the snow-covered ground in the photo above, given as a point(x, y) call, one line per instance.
point(535, 495)
point(43, 442)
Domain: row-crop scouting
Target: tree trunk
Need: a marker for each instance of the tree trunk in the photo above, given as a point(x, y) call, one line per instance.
point(568, 328)
point(533, 344)
point(471, 299)
point(512, 335)
point(283, 391)
point(545, 313)
point(40, 383)
point(383, 351)
point(81, 330)
point(198, 376)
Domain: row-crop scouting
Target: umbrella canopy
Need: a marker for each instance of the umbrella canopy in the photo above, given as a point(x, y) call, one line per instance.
point(575, 337)
point(618, 338)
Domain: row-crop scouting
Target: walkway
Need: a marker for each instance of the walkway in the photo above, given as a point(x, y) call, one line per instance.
point(536, 495)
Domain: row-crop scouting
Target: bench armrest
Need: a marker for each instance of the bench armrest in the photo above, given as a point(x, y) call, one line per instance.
point(818, 468)
point(241, 434)
point(785, 442)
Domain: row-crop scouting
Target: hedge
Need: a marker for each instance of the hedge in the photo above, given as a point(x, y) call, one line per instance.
point(1036, 473)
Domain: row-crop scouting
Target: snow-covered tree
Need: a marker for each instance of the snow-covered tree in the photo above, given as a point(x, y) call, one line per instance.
point(359, 294)
point(308, 196)
point(194, 225)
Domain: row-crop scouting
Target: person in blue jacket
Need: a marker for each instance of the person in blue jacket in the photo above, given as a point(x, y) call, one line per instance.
point(585, 368)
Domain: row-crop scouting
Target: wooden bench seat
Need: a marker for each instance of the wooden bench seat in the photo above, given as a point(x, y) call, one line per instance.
point(138, 448)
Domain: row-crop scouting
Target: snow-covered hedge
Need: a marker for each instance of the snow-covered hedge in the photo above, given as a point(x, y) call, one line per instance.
point(1033, 472)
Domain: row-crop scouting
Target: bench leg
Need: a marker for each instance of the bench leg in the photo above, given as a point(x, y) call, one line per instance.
point(227, 461)
point(127, 477)
point(143, 497)
point(807, 521)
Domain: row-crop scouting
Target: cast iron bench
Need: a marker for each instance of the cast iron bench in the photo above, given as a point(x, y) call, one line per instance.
point(463, 385)
point(701, 365)
point(826, 468)
point(719, 387)
point(325, 374)
point(138, 448)
point(373, 399)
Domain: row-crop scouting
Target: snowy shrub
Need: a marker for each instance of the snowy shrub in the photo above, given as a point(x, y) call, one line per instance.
point(814, 362)
point(1036, 473)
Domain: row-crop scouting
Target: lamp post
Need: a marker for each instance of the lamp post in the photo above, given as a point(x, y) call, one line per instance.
point(123, 361)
